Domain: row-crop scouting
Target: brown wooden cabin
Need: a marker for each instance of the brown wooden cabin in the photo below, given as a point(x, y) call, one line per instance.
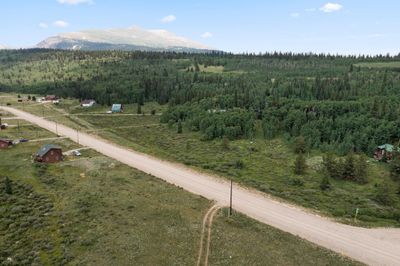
point(51, 98)
point(49, 153)
point(5, 143)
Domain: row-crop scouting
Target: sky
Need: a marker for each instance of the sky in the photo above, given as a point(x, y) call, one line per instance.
point(343, 27)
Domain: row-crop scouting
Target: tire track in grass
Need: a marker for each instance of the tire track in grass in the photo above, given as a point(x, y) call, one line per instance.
point(211, 217)
point(207, 222)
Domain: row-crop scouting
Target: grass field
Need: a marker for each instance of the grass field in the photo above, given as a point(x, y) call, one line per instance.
point(92, 210)
point(263, 164)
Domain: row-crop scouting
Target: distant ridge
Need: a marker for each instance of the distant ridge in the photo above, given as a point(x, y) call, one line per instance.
point(129, 39)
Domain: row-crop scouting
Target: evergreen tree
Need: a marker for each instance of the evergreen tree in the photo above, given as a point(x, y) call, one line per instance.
point(300, 165)
point(7, 186)
point(395, 167)
point(179, 127)
point(331, 166)
point(349, 169)
point(361, 169)
point(384, 194)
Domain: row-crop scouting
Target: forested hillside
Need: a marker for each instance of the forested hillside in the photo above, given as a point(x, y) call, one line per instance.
point(336, 103)
point(302, 127)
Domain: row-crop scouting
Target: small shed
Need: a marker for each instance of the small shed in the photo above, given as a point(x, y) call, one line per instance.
point(5, 143)
point(49, 153)
point(87, 103)
point(117, 108)
point(385, 150)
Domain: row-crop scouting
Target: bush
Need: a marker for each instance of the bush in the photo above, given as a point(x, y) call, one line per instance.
point(300, 145)
point(225, 143)
point(325, 184)
point(296, 182)
point(239, 164)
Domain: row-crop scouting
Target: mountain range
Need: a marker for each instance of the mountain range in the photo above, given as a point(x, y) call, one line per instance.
point(133, 38)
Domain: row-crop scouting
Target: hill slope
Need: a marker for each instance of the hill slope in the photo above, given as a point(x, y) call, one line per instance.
point(133, 38)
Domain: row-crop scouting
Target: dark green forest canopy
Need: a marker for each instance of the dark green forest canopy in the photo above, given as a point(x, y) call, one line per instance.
point(337, 103)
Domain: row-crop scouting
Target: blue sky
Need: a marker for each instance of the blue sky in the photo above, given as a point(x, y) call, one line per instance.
point(346, 27)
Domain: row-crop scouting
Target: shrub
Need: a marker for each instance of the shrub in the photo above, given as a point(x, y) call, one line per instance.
point(300, 145)
point(239, 164)
point(325, 184)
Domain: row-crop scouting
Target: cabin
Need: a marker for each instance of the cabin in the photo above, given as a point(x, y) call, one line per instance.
point(3, 126)
point(117, 108)
point(51, 98)
point(49, 153)
point(384, 151)
point(5, 143)
point(88, 103)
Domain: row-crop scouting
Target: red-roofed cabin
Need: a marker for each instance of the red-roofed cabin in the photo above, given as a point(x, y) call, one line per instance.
point(5, 143)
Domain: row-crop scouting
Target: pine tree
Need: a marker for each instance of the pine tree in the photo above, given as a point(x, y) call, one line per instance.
point(179, 127)
point(300, 165)
point(7, 184)
point(384, 194)
point(332, 167)
point(349, 169)
point(361, 169)
point(395, 167)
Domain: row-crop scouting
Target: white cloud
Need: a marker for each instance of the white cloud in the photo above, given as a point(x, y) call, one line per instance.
point(331, 7)
point(168, 19)
point(75, 2)
point(295, 15)
point(43, 25)
point(206, 35)
point(60, 24)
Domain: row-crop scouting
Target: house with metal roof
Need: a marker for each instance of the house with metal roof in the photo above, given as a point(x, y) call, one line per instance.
point(49, 153)
point(87, 103)
point(384, 151)
point(117, 108)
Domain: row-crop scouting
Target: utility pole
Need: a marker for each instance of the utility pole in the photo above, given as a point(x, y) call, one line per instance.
point(230, 200)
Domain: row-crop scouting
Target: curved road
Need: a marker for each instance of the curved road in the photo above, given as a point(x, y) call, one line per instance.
point(371, 246)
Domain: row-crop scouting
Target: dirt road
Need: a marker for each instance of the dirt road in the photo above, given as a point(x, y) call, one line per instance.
point(371, 246)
